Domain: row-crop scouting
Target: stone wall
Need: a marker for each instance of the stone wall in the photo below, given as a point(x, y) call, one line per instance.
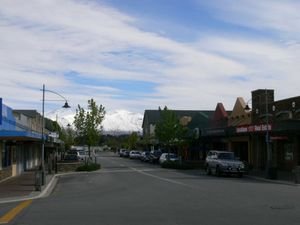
point(5, 173)
point(63, 167)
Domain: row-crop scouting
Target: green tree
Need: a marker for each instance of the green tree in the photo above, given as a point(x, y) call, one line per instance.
point(168, 130)
point(132, 140)
point(88, 123)
point(68, 136)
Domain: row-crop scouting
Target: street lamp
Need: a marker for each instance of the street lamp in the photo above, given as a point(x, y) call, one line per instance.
point(66, 105)
point(269, 152)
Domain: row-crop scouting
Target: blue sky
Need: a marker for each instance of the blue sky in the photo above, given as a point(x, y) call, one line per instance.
point(141, 54)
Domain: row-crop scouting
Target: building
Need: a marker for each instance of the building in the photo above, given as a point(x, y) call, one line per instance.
point(265, 135)
point(194, 120)
point(20, 141)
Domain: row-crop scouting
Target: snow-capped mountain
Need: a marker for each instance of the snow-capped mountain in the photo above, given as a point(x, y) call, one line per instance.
point(121, 121)
point(115, 122)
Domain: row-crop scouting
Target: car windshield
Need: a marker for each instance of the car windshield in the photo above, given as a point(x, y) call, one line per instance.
point(226, 155)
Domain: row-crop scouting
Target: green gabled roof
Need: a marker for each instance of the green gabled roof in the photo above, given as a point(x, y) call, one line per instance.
point(198, 116)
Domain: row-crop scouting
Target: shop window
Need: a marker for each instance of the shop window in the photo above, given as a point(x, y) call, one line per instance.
point(6, 157)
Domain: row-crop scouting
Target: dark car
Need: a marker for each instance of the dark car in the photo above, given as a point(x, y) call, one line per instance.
point(126, 154)
point(145, 157)
point(71, 157)
point(154, 156)
point(122, 152)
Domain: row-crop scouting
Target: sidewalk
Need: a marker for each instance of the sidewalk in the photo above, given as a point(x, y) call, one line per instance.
point(286, 178)
point(22, 187)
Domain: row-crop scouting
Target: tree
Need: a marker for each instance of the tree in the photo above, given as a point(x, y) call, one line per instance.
point(168, 130)
point(88, 123)
point(132, 140)
point(68, 136)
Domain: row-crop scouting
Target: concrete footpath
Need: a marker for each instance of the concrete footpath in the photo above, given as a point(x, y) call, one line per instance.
point(23, 187)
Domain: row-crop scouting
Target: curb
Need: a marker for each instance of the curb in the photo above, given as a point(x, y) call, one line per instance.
point(272, 181)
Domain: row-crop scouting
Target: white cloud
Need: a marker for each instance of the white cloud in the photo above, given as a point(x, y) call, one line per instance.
point(41, 41)
point(277, 15)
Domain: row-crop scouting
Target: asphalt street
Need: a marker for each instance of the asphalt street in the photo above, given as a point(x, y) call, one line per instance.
point(129, 192)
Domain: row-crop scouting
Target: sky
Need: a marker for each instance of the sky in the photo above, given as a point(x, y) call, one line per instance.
point(141, 54)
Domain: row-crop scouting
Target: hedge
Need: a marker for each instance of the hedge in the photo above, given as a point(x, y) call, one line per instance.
point(89, 167)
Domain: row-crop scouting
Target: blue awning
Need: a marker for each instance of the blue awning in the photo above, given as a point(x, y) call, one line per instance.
point(9, 134)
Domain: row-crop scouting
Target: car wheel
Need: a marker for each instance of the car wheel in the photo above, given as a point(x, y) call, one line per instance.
point(208, 170)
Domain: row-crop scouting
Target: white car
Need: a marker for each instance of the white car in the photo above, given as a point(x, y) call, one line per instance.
point(168, 157)
point(223, 162)
point(82, 155)
point(134, 154)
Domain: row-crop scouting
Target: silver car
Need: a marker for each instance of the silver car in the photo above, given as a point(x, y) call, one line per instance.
point(134, 154)
point(168, 157)
point(223, 162)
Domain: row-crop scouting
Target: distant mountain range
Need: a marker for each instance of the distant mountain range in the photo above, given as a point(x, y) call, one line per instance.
point(115, 122)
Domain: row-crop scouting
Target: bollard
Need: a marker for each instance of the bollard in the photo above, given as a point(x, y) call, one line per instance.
point(38, 180)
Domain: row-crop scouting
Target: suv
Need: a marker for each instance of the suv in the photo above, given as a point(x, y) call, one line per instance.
point(223, 162)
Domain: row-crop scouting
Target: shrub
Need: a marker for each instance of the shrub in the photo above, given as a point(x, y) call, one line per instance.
point(89, 167)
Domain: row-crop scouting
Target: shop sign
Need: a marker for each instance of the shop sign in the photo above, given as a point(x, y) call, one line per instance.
point(253, 128)
point(53, 135)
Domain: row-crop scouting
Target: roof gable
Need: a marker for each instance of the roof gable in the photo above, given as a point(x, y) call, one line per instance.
point(220, 116)
point(239, 116)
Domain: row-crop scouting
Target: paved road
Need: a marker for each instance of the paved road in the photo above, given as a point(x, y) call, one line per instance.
point(128, 192)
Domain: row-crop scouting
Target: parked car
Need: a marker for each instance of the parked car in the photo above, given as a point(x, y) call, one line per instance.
point(134, 154)
point(168, 157)
point(223, 162)
point(122, 152)
point(71, 157)
point(126, 154)
point(81, 154)
point(154, 156)
point(145, 156)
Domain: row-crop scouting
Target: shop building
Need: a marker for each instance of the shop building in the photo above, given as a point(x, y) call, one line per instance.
point(20, 141)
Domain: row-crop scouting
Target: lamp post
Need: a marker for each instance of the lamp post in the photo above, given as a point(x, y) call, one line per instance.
point(66, 105)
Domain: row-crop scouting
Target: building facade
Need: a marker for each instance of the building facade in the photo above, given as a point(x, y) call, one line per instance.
point(266, 132)
point(21, 141)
